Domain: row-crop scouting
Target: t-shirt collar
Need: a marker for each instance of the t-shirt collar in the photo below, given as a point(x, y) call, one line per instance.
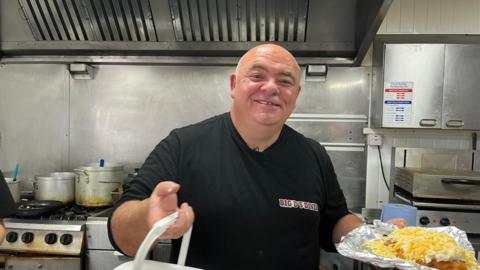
point(239, 140)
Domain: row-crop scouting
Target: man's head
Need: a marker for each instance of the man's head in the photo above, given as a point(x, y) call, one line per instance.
point(265, 86)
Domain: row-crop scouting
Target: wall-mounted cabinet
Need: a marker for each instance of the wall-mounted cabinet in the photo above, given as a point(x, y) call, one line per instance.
point(428, 86)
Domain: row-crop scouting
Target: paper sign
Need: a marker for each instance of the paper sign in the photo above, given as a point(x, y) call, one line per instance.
point(397, 104)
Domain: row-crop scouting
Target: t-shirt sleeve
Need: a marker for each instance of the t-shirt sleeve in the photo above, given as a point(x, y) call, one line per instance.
point(160, 165)
point(7, 204)
point(335, 204)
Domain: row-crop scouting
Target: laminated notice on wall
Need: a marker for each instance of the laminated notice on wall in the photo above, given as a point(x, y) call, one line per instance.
point(397, 104)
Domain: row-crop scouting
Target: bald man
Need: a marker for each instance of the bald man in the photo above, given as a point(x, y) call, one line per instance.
point(262, 195)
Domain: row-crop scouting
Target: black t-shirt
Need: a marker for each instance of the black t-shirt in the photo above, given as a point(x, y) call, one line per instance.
point(7, 205)
point(253, 210)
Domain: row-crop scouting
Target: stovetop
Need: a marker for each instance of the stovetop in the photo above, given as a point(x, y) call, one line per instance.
point(59, 233)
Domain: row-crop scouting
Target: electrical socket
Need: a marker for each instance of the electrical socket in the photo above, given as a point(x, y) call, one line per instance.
point(374, 139)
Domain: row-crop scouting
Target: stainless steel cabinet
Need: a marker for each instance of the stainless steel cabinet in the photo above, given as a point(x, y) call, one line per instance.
point(461, 92)
point(418, 67)
point(430, 86)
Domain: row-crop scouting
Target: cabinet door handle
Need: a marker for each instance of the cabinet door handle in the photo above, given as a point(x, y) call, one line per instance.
point(460, 181)
point(455, 123)
point(428, 122)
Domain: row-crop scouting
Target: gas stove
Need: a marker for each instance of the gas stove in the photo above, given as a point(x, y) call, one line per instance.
point(60, 233)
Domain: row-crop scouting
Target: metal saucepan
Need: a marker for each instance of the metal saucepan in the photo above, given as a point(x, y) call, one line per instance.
point(57, 186)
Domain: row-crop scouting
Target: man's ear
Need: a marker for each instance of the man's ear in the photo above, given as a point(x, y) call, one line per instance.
point(233, 82)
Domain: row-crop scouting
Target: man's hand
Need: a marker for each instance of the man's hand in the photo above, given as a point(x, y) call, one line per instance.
point(162, 203)
point(2, 231)
point(132, 220)
point(399, 222)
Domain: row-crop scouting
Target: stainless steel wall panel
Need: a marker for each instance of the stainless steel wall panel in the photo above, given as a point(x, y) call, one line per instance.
point(33, 117)
point(350, 170)
point(126, 110)
point(343, 92)
point(344, 134)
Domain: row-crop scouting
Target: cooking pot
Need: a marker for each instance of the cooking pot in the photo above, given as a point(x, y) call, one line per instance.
point(57, 186)
point(94, 184)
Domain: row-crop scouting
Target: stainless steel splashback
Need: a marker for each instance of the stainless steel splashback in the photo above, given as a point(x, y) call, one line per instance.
point(51, 122)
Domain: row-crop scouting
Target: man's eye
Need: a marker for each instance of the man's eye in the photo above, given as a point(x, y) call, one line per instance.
point(256, 76)
point(286, 82)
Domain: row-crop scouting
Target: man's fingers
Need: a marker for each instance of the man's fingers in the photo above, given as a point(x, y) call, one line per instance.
point(399, 222)
point(183, 223)
point(165, 188)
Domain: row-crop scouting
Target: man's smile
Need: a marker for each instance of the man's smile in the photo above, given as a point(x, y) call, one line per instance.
point(265, 102)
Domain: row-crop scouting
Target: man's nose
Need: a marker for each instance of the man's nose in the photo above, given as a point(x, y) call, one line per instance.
point(270, 86)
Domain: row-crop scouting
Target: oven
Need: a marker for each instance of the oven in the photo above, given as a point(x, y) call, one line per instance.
point(42, 244)
point(443, 187)
point(45, 235)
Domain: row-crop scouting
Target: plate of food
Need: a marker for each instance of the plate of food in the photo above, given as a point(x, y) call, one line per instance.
point(385, 245)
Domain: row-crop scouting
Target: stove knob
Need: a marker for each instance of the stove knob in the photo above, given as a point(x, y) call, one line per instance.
point(444, 221)
point(424, 221)
point(51, 238)
point(11, 237)
point(66, 239)
point(27, 237)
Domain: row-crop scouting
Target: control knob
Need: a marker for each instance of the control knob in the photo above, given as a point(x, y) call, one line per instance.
point(51, 238)
point(444, 221)
point(424, 220)
point(66, 239)
point(11, 237)
point(27, 237)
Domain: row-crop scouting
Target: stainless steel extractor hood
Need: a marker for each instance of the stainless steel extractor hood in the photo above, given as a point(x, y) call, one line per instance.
point(316, 31)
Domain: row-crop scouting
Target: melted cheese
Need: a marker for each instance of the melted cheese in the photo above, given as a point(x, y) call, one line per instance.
point(422, 246)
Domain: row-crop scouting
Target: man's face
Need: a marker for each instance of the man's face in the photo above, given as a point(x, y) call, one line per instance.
point(266, 86)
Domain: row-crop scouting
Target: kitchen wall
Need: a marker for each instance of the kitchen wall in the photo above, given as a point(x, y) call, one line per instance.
point(52, 122)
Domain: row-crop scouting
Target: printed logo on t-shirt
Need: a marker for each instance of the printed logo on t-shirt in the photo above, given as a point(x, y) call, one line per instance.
point(287, 203)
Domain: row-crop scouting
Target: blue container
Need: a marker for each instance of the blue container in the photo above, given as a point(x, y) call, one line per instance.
point(393, 210)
